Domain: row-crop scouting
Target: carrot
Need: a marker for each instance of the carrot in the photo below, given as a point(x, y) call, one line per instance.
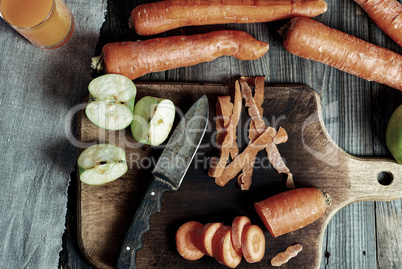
point(281, 136)
point(135, 59)
point(291, 210)
point(186, 241)
point(230, 138)
point(315, 41)
point(222, 247)
point(284, 257)
point(238, 225)
point(158, 17)
point(224, 109)
point(244, 180)
point(387, 14)
point(253, 243)
point(205, 235)
point(272, 151)
point(231, 170)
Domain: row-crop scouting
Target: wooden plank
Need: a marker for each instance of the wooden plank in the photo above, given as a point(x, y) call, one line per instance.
point(105, 211)
point(333, 87)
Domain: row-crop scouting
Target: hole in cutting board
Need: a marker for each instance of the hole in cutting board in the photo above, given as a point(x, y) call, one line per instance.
point(385, 178)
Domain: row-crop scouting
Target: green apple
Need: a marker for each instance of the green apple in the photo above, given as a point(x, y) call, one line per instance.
point(111, 101)
point(153, 120)
point(102, 163)
point(393, 134)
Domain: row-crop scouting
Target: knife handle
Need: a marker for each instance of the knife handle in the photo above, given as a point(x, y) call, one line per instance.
point(140, 224)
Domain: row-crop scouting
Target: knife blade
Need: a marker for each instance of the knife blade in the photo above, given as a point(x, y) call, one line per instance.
point(168, 174)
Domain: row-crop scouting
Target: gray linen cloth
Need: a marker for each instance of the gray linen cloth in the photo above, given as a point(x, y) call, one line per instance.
point(38, 90)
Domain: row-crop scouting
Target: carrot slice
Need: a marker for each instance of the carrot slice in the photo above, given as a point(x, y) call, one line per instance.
point(238, 225)
point(291, 210)
point(205, 235)
point(186, 241)
point(253, 243)
point(222, 248)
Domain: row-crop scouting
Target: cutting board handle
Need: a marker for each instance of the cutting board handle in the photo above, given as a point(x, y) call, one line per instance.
point(375, 179)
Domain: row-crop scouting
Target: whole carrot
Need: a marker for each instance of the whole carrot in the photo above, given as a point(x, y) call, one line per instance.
point(158, 17)
point(387, 14)
point(135, 59)
point(315, 41)
point(291, 210)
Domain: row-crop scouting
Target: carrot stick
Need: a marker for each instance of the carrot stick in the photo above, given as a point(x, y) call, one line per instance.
point(253, 243)
point(291, 210)
point(244, 180)
point(224, 109)
point(231, 170)
point(187, 242)
point(217, 166)
point(158, 17)
point(315, 41)
point(272, 151)
point(387, 14)
point(135, 59)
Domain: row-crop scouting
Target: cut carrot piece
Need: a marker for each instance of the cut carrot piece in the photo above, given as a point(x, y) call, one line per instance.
point(186, 241)
point(230, 139)
point(285, 256)
point(205, 235)
point(291, 210)
point(281, 136)
point(222, 248)
point(253, 243)
point(253, 109)
point(224, 109)
point(238, 225)
point(244, 180)
point(231, 170)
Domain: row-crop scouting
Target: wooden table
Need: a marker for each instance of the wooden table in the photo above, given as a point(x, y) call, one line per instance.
point(355, 112)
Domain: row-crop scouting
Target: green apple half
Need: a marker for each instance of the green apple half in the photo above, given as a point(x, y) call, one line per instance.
point(393, 134)
point(111, 101)
point(102, 163)
point(153, 120)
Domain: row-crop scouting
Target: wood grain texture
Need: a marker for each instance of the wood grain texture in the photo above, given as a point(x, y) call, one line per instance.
point(105, 211)
point(355, 113)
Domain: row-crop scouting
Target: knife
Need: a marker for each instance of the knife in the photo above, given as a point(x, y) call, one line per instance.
point(167, 175)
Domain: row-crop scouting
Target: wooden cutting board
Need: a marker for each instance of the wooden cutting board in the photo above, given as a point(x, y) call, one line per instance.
point(104, 212)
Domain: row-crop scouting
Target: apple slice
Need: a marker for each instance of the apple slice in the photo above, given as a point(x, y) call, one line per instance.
point(153, 120)
point(111, 102)
point(102, 163)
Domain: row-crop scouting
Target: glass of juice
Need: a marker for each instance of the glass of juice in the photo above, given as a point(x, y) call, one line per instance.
point(47, 24)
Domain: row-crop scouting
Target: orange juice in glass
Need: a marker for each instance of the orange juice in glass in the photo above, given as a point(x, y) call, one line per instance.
point(45, 23)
